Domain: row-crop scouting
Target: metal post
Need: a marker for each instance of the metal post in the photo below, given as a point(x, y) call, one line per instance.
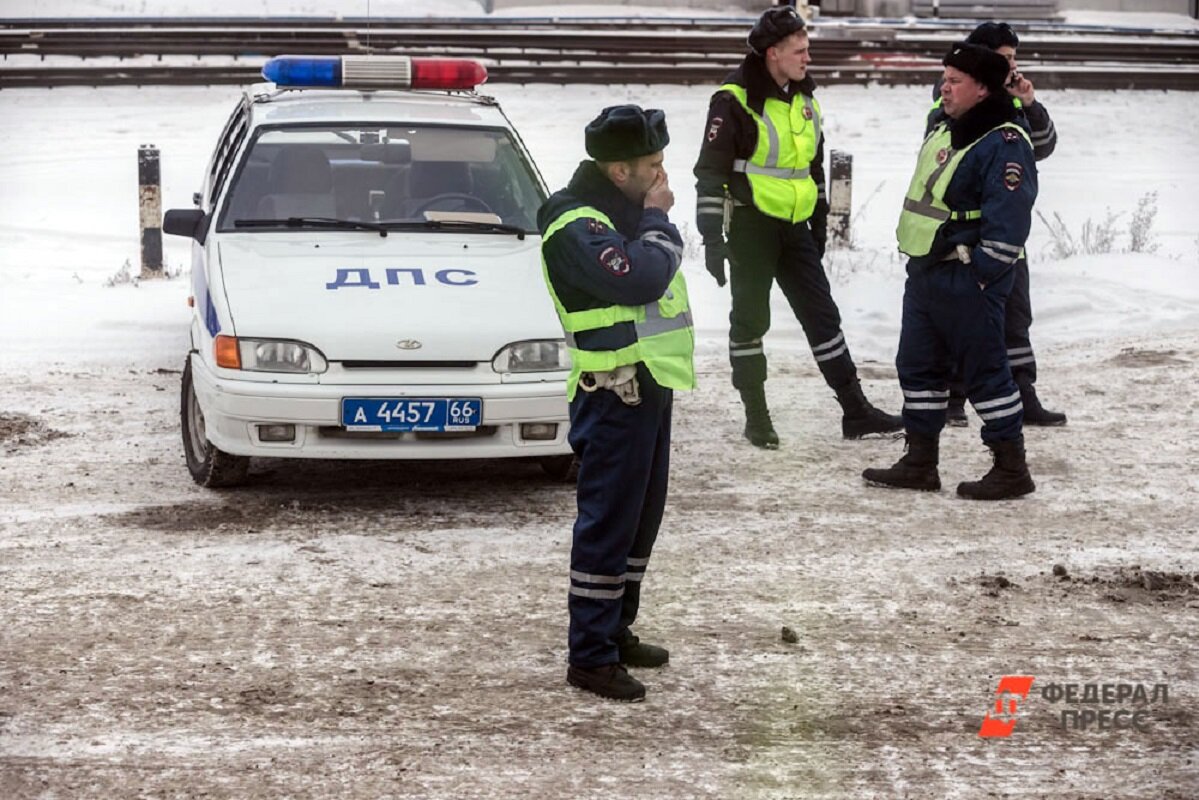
point(150, 210)
point(840, 196)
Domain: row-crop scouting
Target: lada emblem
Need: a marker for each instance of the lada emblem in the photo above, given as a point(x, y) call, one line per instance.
point(409, 344)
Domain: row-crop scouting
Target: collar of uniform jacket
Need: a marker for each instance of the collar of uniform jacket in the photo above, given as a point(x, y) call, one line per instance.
point(992, 112)
point(759, 86)
point(591, 185)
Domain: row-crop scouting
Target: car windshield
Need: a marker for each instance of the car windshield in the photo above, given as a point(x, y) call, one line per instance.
point(374, 174)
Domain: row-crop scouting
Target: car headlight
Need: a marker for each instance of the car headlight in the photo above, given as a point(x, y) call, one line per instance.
point(268, 355)
point(545, 355)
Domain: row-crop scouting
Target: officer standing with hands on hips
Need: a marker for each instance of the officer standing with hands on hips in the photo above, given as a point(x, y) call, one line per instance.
point(611, 258)
point(964, 223)
point(763, 158)
point(1000, 37)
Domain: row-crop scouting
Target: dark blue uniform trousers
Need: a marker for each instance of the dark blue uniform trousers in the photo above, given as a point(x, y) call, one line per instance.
point(951, 325)
point(1017, 321)
point(624, 463)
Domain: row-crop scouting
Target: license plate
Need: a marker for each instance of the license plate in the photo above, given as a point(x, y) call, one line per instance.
point(411, 413)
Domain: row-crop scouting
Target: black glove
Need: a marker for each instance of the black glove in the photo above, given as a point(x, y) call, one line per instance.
point(819, 233)
point(714, 255)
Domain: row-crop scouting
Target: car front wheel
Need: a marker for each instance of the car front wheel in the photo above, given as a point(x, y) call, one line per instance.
point(210, 467)
point(561, 468)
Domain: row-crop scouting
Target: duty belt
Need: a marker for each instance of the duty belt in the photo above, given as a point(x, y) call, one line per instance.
point(622, 381)
point(959, 253)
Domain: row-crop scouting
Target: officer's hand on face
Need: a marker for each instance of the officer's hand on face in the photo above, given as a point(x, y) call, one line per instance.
point(1022, 89)
point(714, 255)
point(659, 194)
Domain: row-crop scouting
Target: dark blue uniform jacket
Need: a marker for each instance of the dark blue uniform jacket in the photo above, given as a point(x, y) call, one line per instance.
point(999, 177)
point(592, 265)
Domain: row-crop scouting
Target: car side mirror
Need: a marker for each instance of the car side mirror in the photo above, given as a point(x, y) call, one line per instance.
point(190, 222)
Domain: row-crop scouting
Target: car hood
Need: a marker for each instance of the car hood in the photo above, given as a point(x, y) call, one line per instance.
point(357, 296)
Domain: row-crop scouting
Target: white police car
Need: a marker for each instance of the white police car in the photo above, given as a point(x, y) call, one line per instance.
point(366, 276)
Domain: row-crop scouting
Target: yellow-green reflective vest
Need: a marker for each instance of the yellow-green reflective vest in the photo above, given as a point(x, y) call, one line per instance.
point(924, 209)
point(780, 169)
point(665, 336)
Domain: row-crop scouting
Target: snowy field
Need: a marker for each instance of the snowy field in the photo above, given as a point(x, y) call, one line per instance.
point(68, 209)
point(371, 631)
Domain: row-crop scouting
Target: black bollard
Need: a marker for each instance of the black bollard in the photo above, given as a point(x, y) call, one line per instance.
point(840, 196)
point(150, 210)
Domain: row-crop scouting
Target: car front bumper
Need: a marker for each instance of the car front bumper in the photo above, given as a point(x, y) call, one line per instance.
point(234, 410)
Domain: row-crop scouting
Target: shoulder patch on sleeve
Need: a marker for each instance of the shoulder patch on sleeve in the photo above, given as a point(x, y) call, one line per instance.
point(1013, 175)
point(1010, 135)
point(714, 127)
point(615, 261)
point(595, 226)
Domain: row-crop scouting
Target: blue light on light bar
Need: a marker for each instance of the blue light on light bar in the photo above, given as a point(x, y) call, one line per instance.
point(303, 71)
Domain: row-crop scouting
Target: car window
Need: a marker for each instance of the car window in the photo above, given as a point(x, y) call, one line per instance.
point(230, 139)
point(225, 161)
point(384, 173)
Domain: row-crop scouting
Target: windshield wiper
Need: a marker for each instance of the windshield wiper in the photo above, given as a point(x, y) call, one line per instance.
point(312, 222)
point(455, 225)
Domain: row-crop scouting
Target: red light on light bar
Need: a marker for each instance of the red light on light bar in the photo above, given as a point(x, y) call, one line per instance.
point(447, 73)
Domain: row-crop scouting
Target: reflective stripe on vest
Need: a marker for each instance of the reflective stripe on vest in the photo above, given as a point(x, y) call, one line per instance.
point(924, 208)
point(780, 169)
point(665, 335)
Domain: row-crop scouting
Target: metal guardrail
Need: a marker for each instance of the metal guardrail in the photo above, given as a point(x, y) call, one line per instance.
point(573, 51)
point(243, 74)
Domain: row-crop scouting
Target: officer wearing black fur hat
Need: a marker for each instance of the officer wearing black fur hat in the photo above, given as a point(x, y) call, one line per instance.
point(611, 258)
point(1000, 37)
point(760, 178)
point(965, 220)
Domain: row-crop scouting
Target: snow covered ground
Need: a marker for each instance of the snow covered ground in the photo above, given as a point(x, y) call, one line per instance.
point(398, 630)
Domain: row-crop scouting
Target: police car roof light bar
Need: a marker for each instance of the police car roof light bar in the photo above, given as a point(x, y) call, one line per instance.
point(374, 72)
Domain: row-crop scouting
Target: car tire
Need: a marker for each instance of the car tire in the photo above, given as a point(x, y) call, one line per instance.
point(209, 467)
point(561, 468)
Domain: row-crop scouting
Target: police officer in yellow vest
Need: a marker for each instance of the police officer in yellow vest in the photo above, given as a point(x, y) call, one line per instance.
point(760, 176)
point(1000, 37)
point(611, 258)
point(965, 219)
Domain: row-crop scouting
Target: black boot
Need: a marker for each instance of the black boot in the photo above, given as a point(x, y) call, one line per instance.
point(916, 470)
point(955, 413)
point(758, 427)
point(611, 680)
point(636, 653)
point(860, 418)
point(1034, 412)
point(1008, 476)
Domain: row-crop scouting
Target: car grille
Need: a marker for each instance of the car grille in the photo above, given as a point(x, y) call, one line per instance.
point(331, 432)
point(409, 364)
